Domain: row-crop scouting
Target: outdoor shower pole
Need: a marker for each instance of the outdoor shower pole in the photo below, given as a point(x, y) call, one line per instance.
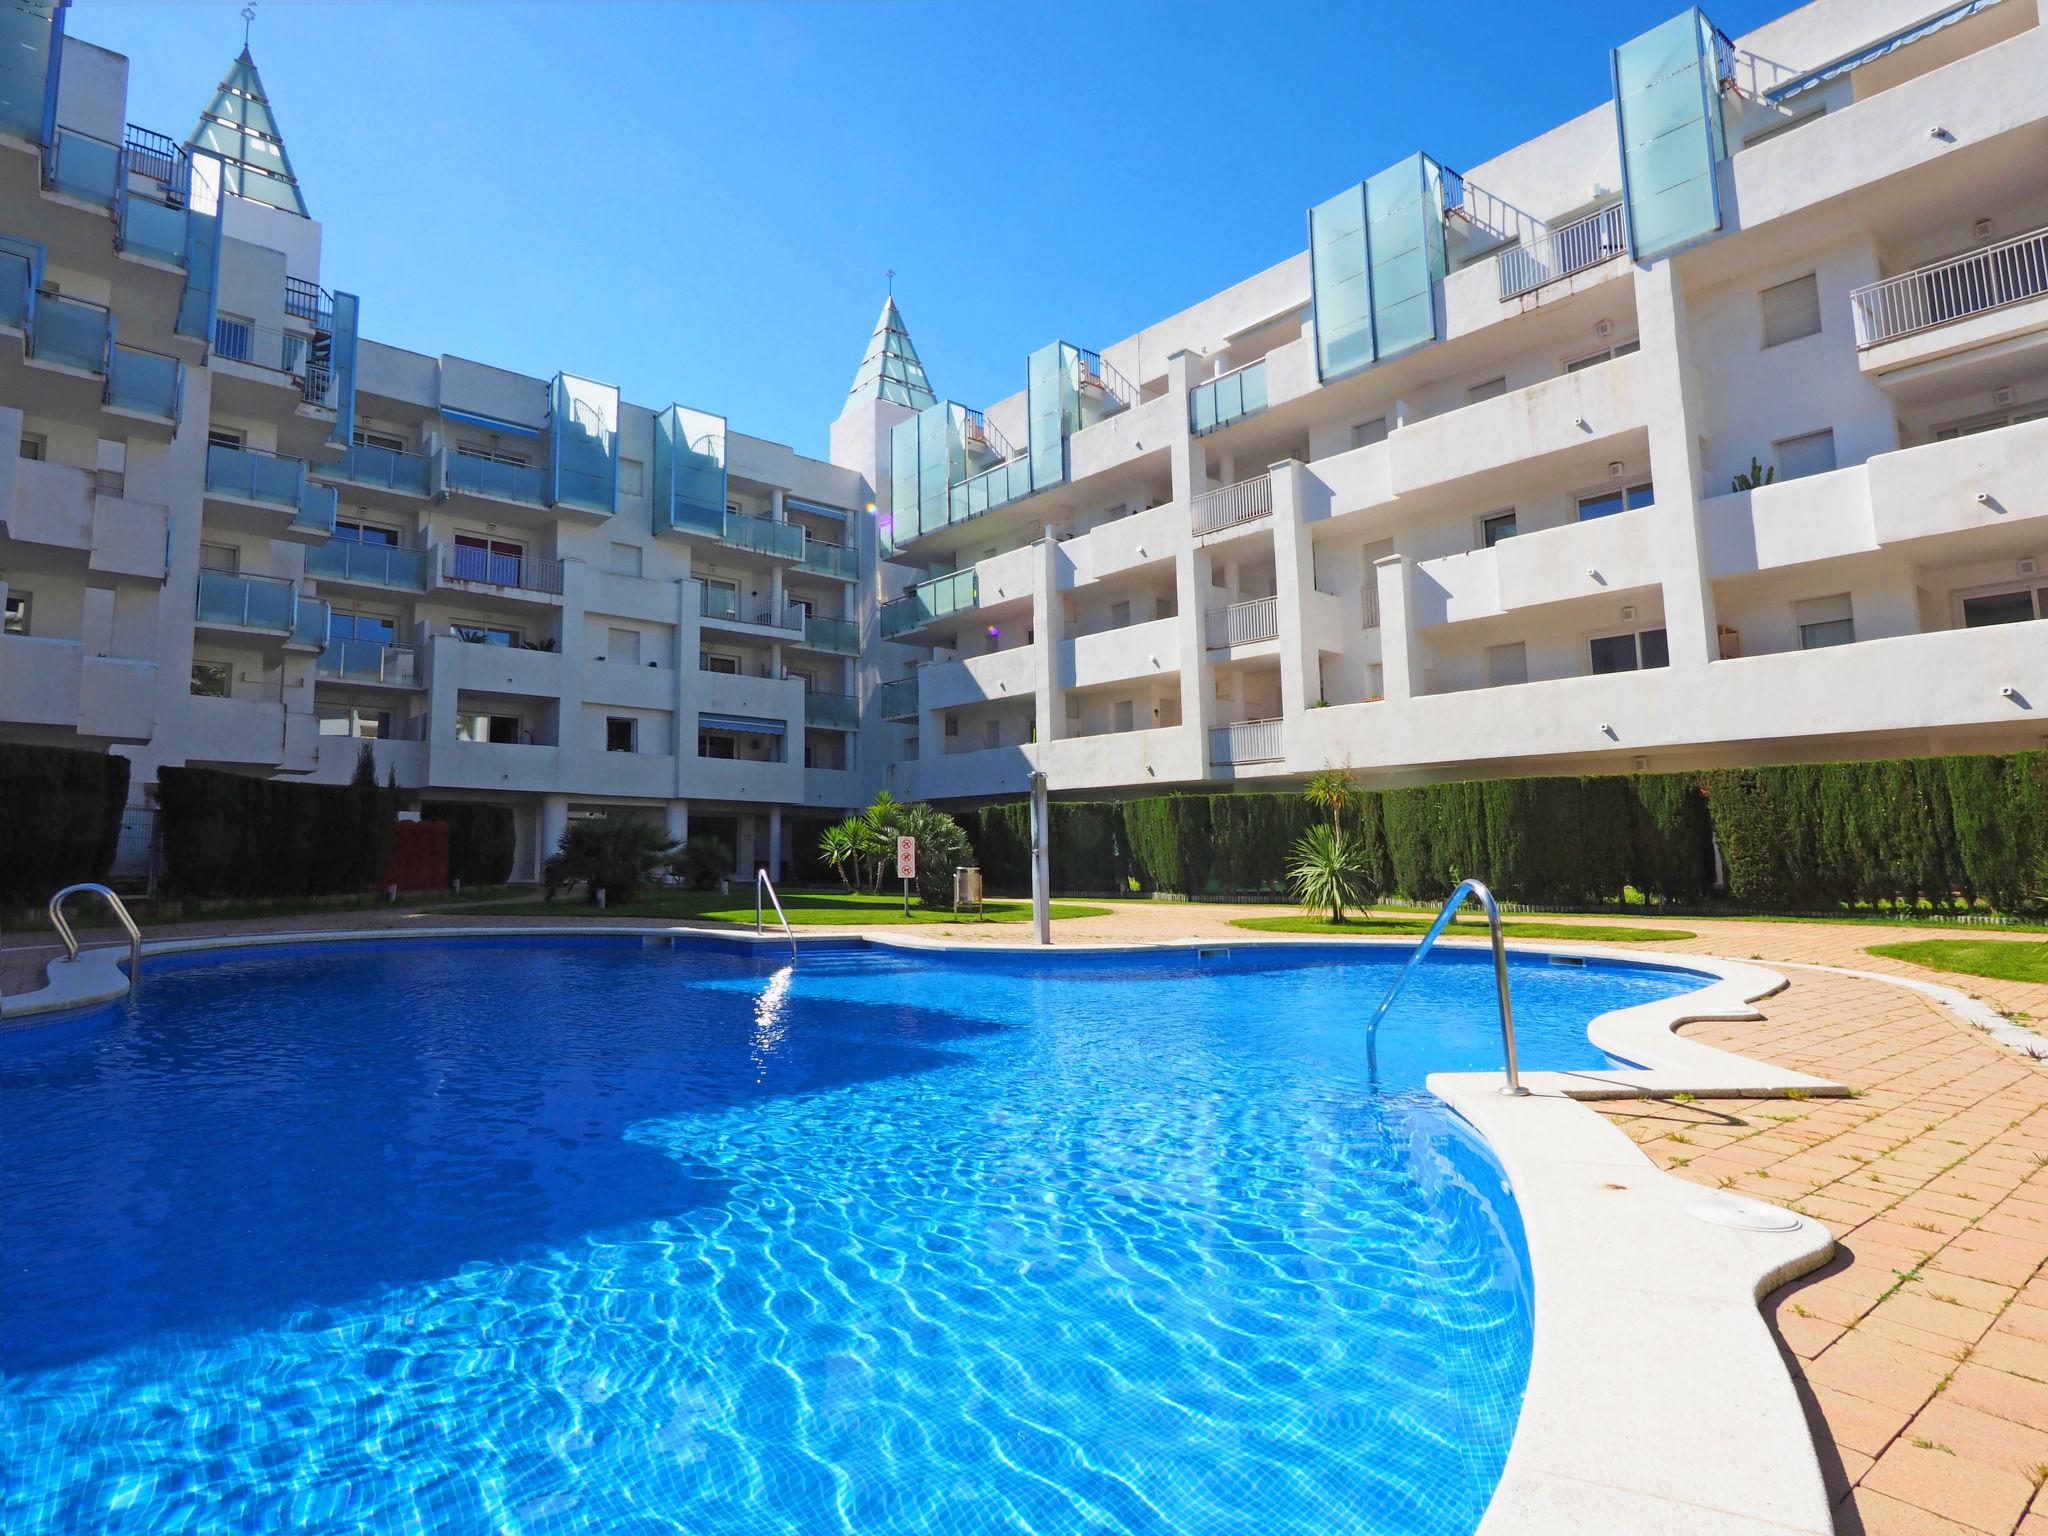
point(1041, 861)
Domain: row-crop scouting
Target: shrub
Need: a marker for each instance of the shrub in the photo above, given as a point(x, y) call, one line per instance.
point(227, 834)
point(614, 854)
point(1327, 873)
point(483, 839)
point(702, 862)
point(61, 820)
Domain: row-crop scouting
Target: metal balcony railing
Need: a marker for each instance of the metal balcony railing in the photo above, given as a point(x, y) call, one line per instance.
point(309, 301)
point(897, 700)
point(724, 603)
point(1562, 251)
point(262, 346)
point(376, 565)
point(370, 661)
point(1992, 277)
point(158, 156)
point(527, 573)
point(1093, 375)
point(1243, 623)
point(1231, 505)
point(1246, 741)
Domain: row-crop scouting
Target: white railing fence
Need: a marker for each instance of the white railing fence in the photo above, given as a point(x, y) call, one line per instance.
point(1229, 505)
point(1562, 251)
point(1243, 623)
point(1992, 277)
point(1246, 741)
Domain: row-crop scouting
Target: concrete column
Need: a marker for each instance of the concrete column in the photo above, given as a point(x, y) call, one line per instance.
point(675, 820)
point(1189, 463)
point(1194, 595)
point(1048, 628)
point(96, 621)
point(1294, 577)
point(1400, 653)
point(774, 859)
point(1672, 396)
point(775, 507)
point(554, 821)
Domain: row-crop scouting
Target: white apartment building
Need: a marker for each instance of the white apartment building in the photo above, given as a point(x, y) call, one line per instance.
point(1451, 493)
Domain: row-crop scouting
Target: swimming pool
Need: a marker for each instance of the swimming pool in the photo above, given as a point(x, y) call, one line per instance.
point(550, 1235)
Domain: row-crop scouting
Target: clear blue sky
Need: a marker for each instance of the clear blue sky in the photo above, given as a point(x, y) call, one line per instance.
point(697, 202)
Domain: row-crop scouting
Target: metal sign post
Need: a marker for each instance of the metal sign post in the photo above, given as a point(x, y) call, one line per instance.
point(906, 867)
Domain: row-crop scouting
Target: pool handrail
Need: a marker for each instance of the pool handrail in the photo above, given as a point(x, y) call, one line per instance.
point(115, 905)
point(1513, 1087)
point(761, 883)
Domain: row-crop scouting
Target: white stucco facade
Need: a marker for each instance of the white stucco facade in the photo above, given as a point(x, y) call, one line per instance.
point(1513, 549)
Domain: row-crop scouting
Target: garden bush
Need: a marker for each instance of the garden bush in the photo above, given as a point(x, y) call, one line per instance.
point(60, 818)
point(483, 839)
point(226, 834)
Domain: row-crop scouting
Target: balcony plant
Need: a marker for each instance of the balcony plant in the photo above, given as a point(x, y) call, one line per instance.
point(1758, 473)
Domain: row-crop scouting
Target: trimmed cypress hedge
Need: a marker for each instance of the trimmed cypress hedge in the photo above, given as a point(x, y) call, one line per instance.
point(61, 819)
point(229, 835)
point(1804, 837)
point(482, 839)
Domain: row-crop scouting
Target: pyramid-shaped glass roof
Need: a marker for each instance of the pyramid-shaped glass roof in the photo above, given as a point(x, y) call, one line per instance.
point(891, 371)
point(239, 128)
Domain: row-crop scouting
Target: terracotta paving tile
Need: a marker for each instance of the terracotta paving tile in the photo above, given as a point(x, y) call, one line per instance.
point(1925, 1471)
point(2005, 1350)
point(1999, 1393)
point(1870, 1513)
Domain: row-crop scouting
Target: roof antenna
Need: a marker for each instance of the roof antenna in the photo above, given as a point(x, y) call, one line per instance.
point(248, 19)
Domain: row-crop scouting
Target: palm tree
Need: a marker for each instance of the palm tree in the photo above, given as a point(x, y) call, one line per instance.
point(1328, 873)
point(1333, 790)
point(613, 854)
point(849, 846)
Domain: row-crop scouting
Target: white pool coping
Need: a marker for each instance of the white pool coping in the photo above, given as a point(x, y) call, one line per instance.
point(1657, 1401)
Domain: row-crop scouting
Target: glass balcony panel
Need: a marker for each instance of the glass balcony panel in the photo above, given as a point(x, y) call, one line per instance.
point(831, 635)
point(370, 661)
point(831, 711)
point(381, 565)
point(383, 468)
point(245, 602)
point(317, 507)
point(898, 700)
point(145, 382)
point(311, 619)
point(17, 282)
point(497, 482)
point(70, 333)
point(265, 477)
point(86, 168)
point(150, 229)
point(25, 35)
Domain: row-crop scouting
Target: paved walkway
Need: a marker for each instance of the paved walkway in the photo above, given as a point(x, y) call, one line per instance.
point(1921, 1351)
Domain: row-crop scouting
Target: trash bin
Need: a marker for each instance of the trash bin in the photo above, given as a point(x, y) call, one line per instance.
point(967, 887)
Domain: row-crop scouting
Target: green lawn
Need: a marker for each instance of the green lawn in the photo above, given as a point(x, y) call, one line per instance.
point(2002, 959)
point(1591, 933)
point(805, 908)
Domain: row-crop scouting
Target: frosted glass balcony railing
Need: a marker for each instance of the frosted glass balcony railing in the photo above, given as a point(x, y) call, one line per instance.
point(81, 166)
point(495, 481)
point(312, 618)
point(930, 600)
point(988, 490)
point(724, 603)
point(383, 469)
point(763, 535)
point(70, 333)
point(838, 635)
point(374, 565)
point(898, 700)
point(832, 711)
point(588, 491)
point(150, 228)
point(235, 601)
point(17, 283)
point(146, 382)
point(370, 661)
point(318, 505)
point(25, 45)
point(824, 559)
point(1221, 401)
point(245, 473)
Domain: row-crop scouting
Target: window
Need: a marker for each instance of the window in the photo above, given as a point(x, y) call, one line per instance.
point(16, 620)
point(1119, 615)
point(347, 720)
point(2014, 606)
point(1375, 682)
point(724, 748)
point(212, 679)
point(952, 725)
point(1791, 310)
point(992, 734)
point(34, 446)
point(502, 729)
point(220, 557)
point(1491, 389)
point(477, 633)
point(363, 437)
point(715, 661)
point(492, 455)
point(1605, 354)
point(1126, 711)
point(1507, 664)
point(621, 733)
point(1629, 652)
point(374, 628)
point(224, 437)
point(1810, 454)
point(625, 559)
point(477, 558)
point(1366, 433)
point(366, 533)
point(1824, 621)
point(1607, 503)
point(1162, 608)
point(622, 645)
point(1492, 529)
point(632, 477)
point(2036, 411)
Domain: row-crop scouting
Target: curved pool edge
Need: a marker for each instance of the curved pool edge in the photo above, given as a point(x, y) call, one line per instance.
point(1656, 1398)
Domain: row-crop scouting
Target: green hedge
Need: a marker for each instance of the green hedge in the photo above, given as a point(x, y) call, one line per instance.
point(1800, 838)
point(229, 835)
point(60, 818)
point(482, 839)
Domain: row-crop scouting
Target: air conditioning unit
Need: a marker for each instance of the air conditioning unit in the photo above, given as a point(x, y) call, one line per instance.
point(2002, 396)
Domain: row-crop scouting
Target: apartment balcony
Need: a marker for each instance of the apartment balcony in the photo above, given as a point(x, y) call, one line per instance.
point(1560, 253)
point(70, 363)
point(839, 562)
point(268, 495)
point(252, 733)
point(368, 567)
point(463, 479)
point(528, 581)
point(834, 637)
point(1603, 558)
point(513, 767)
point(1247, 623)
point(740, 696)
point(724, 609)
point(56, 686)
point(233, 604)
point(1575, 416)
point(747, 531)
point(930, 601)
point(456, 666)
point(1243, 743)
point(59, 507)
point(743, 781)
point(629, 684)
point(897, 699)
point(1993, 299)
point(371, 664)
point(990, 678)
point(832, 711)
point(1217, 403)
point(380, 477)
point(1135, 652)
point(1230, 508)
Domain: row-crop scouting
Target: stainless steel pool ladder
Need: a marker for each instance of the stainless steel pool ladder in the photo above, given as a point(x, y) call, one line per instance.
point(1466, 888)
point(114, 905)
point(763, 883)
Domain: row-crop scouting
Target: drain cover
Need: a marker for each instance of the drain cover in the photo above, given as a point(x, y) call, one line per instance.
point(1743, 1215)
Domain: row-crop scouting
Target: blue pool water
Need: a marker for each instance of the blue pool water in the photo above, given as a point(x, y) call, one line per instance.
point(549, 1236)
